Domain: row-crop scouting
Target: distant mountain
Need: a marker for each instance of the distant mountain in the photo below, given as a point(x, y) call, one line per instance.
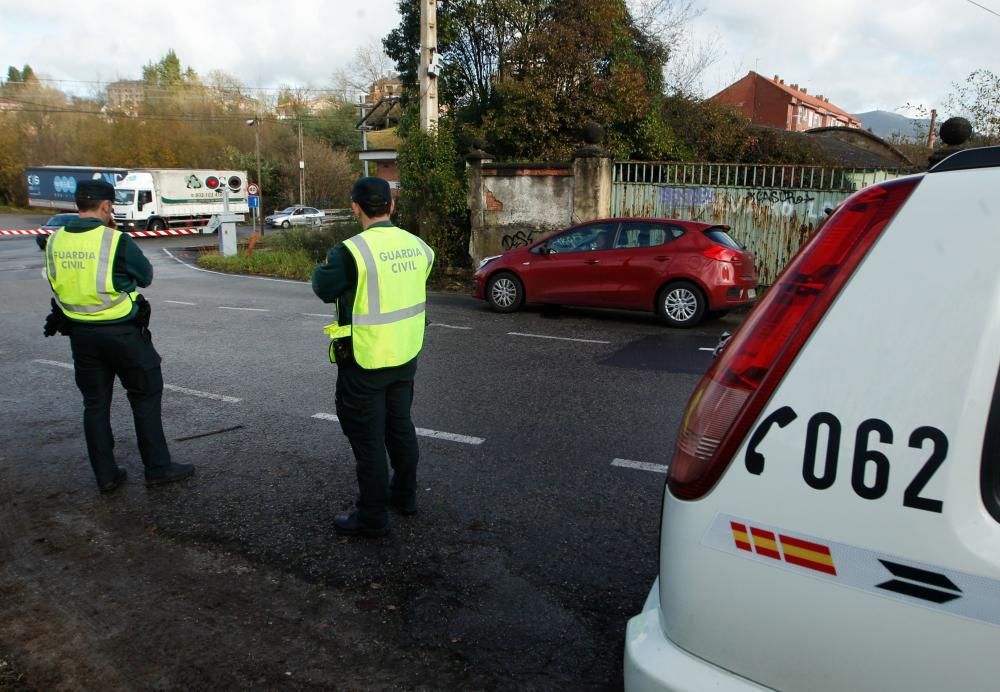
point(886, 123)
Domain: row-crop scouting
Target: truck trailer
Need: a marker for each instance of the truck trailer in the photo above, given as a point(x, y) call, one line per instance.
point(157, 199)
point(53, 187)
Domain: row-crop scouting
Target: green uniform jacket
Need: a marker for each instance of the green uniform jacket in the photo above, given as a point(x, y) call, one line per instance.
point(130, 270)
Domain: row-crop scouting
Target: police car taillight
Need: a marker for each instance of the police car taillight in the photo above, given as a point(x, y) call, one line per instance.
point(732, 394)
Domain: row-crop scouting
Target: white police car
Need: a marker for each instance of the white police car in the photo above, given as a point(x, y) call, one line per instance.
point(832, 514)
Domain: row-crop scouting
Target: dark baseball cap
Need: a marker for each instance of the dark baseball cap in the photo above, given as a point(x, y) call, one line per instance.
point(95, 190)
point(372, 192)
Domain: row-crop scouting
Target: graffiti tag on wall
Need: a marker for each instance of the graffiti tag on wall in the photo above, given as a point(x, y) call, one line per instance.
point(519, 239)
point(686, 196)
point(786, 200)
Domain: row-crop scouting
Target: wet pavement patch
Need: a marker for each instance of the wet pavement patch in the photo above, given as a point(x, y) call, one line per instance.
point(665, 354)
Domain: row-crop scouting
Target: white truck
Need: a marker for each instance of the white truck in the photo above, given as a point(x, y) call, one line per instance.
point(157, 199)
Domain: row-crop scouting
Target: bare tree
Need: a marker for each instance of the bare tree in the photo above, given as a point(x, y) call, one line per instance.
point(370, 64)
point(669, 22)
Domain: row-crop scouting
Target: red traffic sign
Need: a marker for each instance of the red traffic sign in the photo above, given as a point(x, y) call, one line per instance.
point(252, 189)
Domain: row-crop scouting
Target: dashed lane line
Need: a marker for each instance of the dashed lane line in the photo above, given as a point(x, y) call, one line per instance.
point(316, 314)
point(180, 302)
point(559, 338)
point(447, 326)
point(423, 432)
point(640, 465)
point(227, 307)
point(171, 387)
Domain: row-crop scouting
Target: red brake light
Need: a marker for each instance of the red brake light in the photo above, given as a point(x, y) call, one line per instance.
point(739, 384)
point(721, 253)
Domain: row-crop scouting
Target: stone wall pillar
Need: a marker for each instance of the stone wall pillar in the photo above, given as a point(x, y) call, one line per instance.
point(592, 177)
point(476, 197)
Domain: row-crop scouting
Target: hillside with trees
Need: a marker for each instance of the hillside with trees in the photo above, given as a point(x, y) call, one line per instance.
point(174, 117)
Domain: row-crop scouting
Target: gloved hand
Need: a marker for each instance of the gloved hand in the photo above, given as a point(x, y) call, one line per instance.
point(56, 321)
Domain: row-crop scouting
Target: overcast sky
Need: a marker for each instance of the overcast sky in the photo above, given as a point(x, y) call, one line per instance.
point(861, 54)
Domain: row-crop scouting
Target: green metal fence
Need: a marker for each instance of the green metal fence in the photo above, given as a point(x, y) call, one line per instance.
point(770, 209)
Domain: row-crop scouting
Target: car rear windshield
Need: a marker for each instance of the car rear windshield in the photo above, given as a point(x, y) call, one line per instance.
point(60, 219)
point(718, 235)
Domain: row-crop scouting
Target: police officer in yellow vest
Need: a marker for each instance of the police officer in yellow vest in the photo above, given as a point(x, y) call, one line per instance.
point(94, 272)
point(378, 280)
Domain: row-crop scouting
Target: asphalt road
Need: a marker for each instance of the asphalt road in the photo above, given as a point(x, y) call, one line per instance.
point(544, 440)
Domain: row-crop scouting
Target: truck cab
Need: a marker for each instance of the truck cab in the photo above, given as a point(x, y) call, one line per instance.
point(135, 206)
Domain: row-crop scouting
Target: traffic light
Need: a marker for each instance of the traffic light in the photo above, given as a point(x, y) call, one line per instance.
point(235, 183)
point(213, 183)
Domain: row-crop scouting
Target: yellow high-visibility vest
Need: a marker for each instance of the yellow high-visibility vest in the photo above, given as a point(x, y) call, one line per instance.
point(79, 268)
point(387, 319)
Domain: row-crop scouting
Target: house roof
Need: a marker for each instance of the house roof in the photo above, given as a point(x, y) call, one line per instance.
point(793, 90)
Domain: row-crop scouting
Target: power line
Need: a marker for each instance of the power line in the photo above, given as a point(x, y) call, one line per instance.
point(983, 7)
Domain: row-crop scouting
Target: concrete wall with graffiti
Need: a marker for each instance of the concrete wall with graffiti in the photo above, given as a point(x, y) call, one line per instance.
point(512, 205)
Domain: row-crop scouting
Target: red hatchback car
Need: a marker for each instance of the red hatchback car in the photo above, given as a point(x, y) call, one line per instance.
point(678, 269)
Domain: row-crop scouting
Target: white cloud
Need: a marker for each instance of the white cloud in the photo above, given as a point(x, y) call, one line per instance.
point(263, 43)
point(861, 54)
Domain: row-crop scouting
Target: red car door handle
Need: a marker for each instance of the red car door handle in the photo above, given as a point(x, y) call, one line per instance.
point(591, 261)
point(662, 258)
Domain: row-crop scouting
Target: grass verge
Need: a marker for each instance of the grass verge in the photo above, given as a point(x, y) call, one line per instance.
point(294, 254)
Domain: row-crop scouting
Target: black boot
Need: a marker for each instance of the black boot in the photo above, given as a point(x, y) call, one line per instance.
point(169, 474)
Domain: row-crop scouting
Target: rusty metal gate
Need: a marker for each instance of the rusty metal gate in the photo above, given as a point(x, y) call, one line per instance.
point(770, 210)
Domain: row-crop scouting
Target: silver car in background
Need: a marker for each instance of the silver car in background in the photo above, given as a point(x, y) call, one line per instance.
point(295, 215)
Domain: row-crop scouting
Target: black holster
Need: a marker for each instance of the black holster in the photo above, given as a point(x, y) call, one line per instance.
point(343, 351)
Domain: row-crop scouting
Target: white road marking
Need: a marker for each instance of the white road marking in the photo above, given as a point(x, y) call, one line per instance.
point(234, 276)
point(446, 326)
point(179, 302)
point(53, 362)
point(203, 395)
point(707, 349)
point(640, 465)
point(226, 307)
point(171, 387)
point(559, 338)
point(316, 314)
point(423, 432)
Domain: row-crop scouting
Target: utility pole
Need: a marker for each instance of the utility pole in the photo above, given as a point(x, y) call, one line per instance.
point(259, 212)
point(364, 130)
point(930, 132)
point(302, 168)
point(429, 66)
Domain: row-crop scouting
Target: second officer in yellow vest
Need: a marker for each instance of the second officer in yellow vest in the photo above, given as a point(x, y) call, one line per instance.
point(94, 272)
point(378, 280)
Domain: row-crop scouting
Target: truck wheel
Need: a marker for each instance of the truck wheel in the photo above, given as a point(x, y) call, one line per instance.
point(157, 225)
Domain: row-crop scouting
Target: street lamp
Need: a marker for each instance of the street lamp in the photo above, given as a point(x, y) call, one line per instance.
point(255, 124)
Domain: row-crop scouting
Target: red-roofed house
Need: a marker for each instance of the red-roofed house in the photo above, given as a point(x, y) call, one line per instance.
point(773, 103)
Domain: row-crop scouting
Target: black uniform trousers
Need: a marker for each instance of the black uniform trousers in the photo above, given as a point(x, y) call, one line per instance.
point(374, 411)
point(101, 352)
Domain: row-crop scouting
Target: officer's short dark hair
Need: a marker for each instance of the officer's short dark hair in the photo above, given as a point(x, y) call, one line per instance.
point(373, 195)
point(90, 193)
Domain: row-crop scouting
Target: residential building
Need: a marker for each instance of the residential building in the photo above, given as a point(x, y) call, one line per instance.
point(126, 95)
point(773, 103)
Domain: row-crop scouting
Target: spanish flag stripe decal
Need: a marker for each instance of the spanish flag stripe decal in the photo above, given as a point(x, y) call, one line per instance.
point(740, 536)
point(765, 543)
point(807, 554)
